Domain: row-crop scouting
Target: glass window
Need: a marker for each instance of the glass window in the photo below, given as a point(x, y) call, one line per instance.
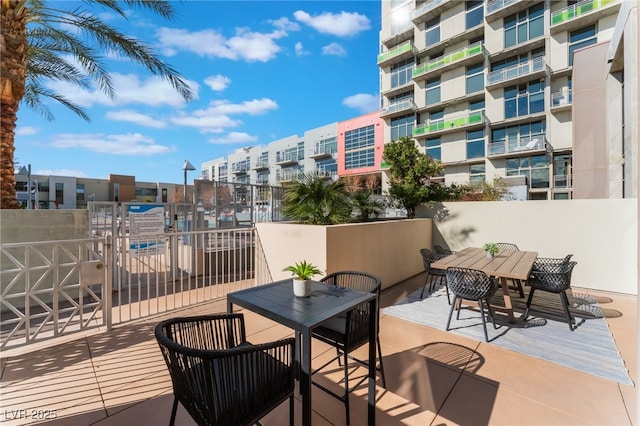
point(433, 91)
point(517, 136)
point(523, 26)
point(402, 73)
point(475, 13)
point(475, 144)
point(436, 115)
point(475, 78)
point(432, 28)
point(433, 149)
point(524, 99)
point(477, 106)
point(535, 168)
point(359, 147)
point(581, 38)
point(60, 192)
point(477, 174)
point(402, 126)
point(562, 171)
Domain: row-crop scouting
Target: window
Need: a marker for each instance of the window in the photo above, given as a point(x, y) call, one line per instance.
point(359, 147)
point(165, 195)
point(523, 26)
point(524, 99)
point(146, 192)
point(432, 29)
point(581, 38)
point(477, 106)
point(535, 168)
point(562, 171)
point(80, 192)
point(329, 166)
point(327, 146)
point(402, 126)
point(433, 149)
point(475, 144)
point(475, 13)
point(475, 78)
point(401, 73)
point(436, 115)
point(433, 91)
point(60, 192)
point(516, 136)
point(21, 186)
point(477, 174)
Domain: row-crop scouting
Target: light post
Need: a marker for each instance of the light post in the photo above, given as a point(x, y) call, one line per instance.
point(187, 166)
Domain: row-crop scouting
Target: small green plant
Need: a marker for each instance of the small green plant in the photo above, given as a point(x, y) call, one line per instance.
point(303, 270)
point(491, 248)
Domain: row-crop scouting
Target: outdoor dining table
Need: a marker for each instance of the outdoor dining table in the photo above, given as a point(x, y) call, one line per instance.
point(507, 264)
point(277, 302)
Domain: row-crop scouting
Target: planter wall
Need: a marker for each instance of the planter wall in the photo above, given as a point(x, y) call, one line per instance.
point(388, 249)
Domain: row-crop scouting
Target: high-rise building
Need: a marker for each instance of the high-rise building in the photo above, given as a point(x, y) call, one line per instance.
point(487, 88)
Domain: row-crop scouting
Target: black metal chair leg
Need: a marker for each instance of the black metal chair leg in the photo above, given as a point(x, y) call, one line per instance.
point(565, 305)
point(384, 381)
point(484, 321)
point(174, 410)
point(451, 311)
point(346, 387)
point(529, 299)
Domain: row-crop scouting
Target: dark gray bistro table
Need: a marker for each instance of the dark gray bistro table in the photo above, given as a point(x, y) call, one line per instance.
point(302, 314)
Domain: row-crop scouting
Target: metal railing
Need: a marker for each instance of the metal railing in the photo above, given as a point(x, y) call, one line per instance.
point(525, 143)
point(576, 10)
point(391, 107)
point(561, 98)
point(450, 58)
point(515, 71)
point(495, 5)
point(433, 126)
point(398, 50)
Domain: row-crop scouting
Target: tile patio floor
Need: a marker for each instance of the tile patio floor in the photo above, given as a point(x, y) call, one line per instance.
point(433, 378)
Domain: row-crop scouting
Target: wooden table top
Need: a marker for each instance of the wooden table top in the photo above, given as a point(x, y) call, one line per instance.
point(514, 264)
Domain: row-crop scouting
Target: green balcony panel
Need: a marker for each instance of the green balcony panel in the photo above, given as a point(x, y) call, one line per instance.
point(407, 47)
point(578, 10)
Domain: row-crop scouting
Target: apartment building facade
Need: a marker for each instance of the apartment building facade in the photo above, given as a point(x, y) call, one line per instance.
point(486, 87)
point(347, 148)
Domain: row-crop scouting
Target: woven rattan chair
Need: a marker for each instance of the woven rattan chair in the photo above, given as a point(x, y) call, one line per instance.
point(517, 284)
point(433, 275)
point(474, 285)
point(219, 377)
point(351, 331)
point(441, 251)
point(554, 276)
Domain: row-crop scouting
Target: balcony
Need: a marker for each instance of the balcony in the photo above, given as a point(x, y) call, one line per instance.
point(516, 73)
point(286, 157)
point(517, 146)
point(239, 168)
point(287, 176)
point(327, 174)
point(260, 165)
point(561, 100)
point(431, 8)
point(401, 107)
point(262, 180)
point(453, 59)
point(440, 126)
point(500, 8)
point(561, 19)
point(323, 152)
point(405, 50)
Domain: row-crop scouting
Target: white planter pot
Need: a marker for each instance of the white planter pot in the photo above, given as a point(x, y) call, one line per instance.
point(489, 255)
point(302, 288)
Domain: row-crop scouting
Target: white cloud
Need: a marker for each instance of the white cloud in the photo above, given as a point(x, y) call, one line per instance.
point(216, 117)
point(27, 131)
point(245, 45)
point(300, 49)
point(285, 24)
point(233, 138)
point(341, 24)
point(334, 49)
point(60, 172)
point(362, 102)
point(130, 89)
point(217, 82)
point(135, 117)
point(124, 144)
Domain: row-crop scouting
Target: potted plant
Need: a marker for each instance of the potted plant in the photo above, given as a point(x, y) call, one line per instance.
point(491, 249)
point(302, 273)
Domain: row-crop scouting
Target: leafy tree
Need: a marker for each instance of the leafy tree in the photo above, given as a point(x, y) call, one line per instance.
point(484, 191)
point(367, 208)
point(312, 200)
point(40, 41)
point(409, 174)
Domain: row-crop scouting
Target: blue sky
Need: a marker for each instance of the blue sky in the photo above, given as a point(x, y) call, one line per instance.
point(260, 71)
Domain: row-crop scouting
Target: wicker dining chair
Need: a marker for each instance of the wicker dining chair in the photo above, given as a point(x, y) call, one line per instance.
point(219, 377)
point(351, 331)
point(441, 251)
point(474, 285)
point(553, 276)
point(433, 275)
point(517, 284)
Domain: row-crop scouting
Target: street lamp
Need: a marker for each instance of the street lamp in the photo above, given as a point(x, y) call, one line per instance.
point(187, 166)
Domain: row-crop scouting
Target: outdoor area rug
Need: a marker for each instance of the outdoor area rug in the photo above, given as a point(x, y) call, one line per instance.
point(545, 334)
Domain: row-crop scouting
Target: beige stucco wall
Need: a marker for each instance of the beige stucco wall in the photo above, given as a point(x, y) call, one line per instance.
point(601, 234)
point(388, 249)
point(43, 225)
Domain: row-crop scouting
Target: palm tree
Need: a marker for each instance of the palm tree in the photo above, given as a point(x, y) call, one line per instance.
point(40, 42)
point(314, 201)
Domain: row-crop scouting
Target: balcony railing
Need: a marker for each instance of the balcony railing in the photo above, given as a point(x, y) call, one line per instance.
point(396, 51)
point(450, 58)
point(239, 167)
point(393, 107)
point(440, 125)
point(323, 151)
point(287, 175)
point(527, 143)
point(515, 71)
point(283, 157)
point(326, 173)
point(261, 164)
point(576, 10)
point(561, 98)
point(427, 7)
point(496, 5)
